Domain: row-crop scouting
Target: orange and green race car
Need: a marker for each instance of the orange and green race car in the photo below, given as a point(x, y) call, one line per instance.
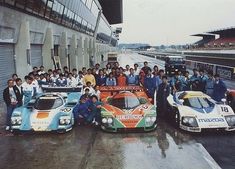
point(127, 108)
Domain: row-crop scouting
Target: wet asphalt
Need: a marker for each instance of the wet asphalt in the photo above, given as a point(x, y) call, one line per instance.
point(87, 147)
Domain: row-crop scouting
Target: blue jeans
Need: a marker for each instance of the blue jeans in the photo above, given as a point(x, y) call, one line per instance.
point(10, 110)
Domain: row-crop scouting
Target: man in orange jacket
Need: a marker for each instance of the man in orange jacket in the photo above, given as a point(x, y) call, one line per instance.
point(121, 79)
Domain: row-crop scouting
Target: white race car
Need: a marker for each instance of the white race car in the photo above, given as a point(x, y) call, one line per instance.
point(195, 112)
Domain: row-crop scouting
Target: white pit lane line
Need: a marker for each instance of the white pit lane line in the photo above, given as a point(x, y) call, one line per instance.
point(208, 157)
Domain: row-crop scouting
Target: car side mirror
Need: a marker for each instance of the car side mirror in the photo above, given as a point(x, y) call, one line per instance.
point(224, 100)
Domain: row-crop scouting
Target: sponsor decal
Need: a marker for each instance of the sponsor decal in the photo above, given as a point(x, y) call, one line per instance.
point(224, 72)
point(42, 115)
point(211, 120)
point(224, 109)
point(40, 123)
point(66, 110)
point(129, 116)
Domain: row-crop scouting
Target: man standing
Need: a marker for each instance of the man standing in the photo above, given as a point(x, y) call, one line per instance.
point(210, 84)
point(19, 91)
point(75, 73)
point(111, 81)
point(89, 78)
point(127, 70)
point(176, 82)
point(97, 68)
point(41, 71)
point(219, 89)
point(146, 68)
point(136, 69)
point(71, 81)
point(79, 78)
point(28, 89)
point(162, 94)
point(202, 81)
point(186, 86)
point(158, 78)
point(61, 81)
point(11, 98)
point(149, 84)
point(121, 78)
point(132, 79)
point(194, 79)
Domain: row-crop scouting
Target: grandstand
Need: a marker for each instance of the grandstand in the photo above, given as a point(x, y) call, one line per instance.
point(226, 39)
point(206, 38)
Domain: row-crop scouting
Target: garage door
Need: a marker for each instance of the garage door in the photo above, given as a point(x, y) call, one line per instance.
point(7, 66)
point(36, 55)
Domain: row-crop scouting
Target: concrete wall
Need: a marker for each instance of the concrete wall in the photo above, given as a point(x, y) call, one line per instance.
point(22, 25)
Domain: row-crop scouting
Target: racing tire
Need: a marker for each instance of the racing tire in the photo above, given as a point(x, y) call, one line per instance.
point(16, 132)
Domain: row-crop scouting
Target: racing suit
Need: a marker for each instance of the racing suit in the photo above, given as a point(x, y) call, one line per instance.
point(149, 86)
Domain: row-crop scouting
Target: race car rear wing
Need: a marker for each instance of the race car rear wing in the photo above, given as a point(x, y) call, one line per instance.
point(120, 88)
point(50, 89)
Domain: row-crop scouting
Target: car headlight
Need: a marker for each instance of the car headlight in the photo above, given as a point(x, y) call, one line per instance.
point(13, 121)
point(147, 119)
point(104, 120)
point(64, 120)
point(67, 121)
point(230, 120)
point(150, 120)
point(153, 119)
point(110, 120)
point(16, 120)
point(189, 121)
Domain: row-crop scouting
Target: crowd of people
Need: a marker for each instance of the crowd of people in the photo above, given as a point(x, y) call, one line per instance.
point(19, 92)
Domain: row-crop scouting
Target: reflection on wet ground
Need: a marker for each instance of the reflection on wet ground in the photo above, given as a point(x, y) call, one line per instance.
point(86, 147)
point(159, 149)
point(221, 147)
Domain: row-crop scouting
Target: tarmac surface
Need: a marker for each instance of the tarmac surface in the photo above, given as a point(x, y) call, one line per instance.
point(87, 147)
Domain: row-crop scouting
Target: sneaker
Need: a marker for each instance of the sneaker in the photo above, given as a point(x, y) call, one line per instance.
point(7, 128)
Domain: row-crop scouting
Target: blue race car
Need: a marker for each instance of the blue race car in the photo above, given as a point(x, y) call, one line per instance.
point(50, 111)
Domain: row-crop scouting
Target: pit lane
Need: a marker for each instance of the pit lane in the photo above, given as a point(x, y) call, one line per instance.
point(88, 148)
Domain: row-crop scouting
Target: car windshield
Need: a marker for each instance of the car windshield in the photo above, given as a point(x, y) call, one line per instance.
point(125, 102)
point(48, 103)
point(198, 102)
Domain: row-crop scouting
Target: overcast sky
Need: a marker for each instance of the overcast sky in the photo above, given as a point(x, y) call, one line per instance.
point(172, 21)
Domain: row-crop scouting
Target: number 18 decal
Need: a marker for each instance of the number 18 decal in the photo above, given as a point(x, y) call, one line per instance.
point(224, 109)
